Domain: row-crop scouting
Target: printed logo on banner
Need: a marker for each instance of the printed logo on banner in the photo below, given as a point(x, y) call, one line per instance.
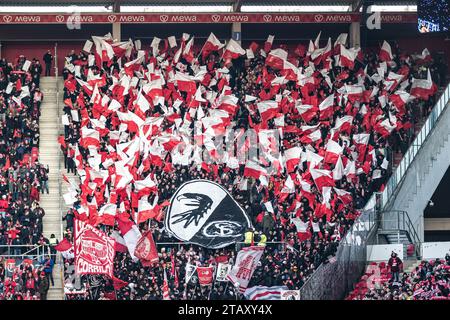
point(112, 18)
point(164, 18)
point(215, 18)
point(204, 213)
point(290, 294)
point(59, 18)
point(94, 251)
point(7, 18)
point(267, 18)
point(318, 17)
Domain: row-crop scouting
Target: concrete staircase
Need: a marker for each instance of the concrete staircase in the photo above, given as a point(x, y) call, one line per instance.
point(50, 154)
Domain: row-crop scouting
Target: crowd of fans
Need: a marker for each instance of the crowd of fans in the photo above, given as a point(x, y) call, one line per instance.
point(94, 82)
point(22, 177)
point(430, 280)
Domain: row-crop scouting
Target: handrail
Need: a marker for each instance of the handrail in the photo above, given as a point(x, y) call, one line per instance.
point(403, 222)
point(397, 177)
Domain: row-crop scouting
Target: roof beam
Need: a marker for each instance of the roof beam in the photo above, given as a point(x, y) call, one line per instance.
point(237, 5)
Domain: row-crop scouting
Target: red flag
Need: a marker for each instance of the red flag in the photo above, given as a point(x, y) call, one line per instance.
point(146, 248)
point(205, 275)
point(118, 284)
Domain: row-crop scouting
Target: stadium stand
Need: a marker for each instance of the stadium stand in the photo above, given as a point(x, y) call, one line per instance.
point(22, 179)
point(222, 150)
point(364, 123)
point(427, 281)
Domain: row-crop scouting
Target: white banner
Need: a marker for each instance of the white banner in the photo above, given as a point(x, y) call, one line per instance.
point(246, 262)
point(222, 271)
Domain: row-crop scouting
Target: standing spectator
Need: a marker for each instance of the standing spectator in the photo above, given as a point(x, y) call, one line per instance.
point(48, 58)
point(48, 264)
point(395, 264)
point(43, 286)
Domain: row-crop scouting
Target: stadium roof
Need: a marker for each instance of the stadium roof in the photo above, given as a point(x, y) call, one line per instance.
point(196, 2)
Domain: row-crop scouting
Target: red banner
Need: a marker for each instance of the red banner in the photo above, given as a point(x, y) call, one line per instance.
point(205, 275)
point(146, 249)
point(199, 18)
point(94, 250)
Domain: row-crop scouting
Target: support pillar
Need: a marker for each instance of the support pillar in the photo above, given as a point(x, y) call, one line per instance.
point(116, 31)
point(355, 34)
point(236, 32)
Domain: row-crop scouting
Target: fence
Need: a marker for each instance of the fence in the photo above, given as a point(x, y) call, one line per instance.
point(34, 252)
point(408, 158)
point(332, 280)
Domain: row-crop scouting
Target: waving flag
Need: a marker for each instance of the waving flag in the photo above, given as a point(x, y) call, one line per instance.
point(423, 88)
point(276, 58)
point(322, 178)
point(233, 50)
point(254, 170)
point(66, 249)
point(292, 156)
point(166, 293)
point(146, 249)
point(347, 57)
point(385, 52)
point(131, 234)
point(211, 44)
point(332, 152)
point(267, 109)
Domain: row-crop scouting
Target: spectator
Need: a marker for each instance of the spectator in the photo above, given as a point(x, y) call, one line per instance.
point(48, 59)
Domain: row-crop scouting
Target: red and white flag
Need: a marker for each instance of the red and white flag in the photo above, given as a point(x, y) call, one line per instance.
point(94, 250)
point(108, 213)
point(423, 88)
point(211, 44)
point(332, 152)
point(322, 178)
point(276, 58)
point(292, 157)
point(131, 234)
point(166, 294)
point(185, 83)
point(399, 99)
point(66, 249)
point(246, 262)
point(306, 111)
point(385, 52)
point(89, 137)
point(233, 50)
point(326, 107)
point(269, 42)
point(267, 109)
point(146, 249)
point(254, 170)
point(347, 57)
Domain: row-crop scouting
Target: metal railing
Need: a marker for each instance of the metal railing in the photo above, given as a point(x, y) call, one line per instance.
point(396, 179)
point(399, 220)
point(24, 251)
point(331, 281)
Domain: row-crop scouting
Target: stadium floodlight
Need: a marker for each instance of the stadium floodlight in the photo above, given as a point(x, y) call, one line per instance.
point(253, 8)
point(177, 9)
point(54, 9)
point(387, 8)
